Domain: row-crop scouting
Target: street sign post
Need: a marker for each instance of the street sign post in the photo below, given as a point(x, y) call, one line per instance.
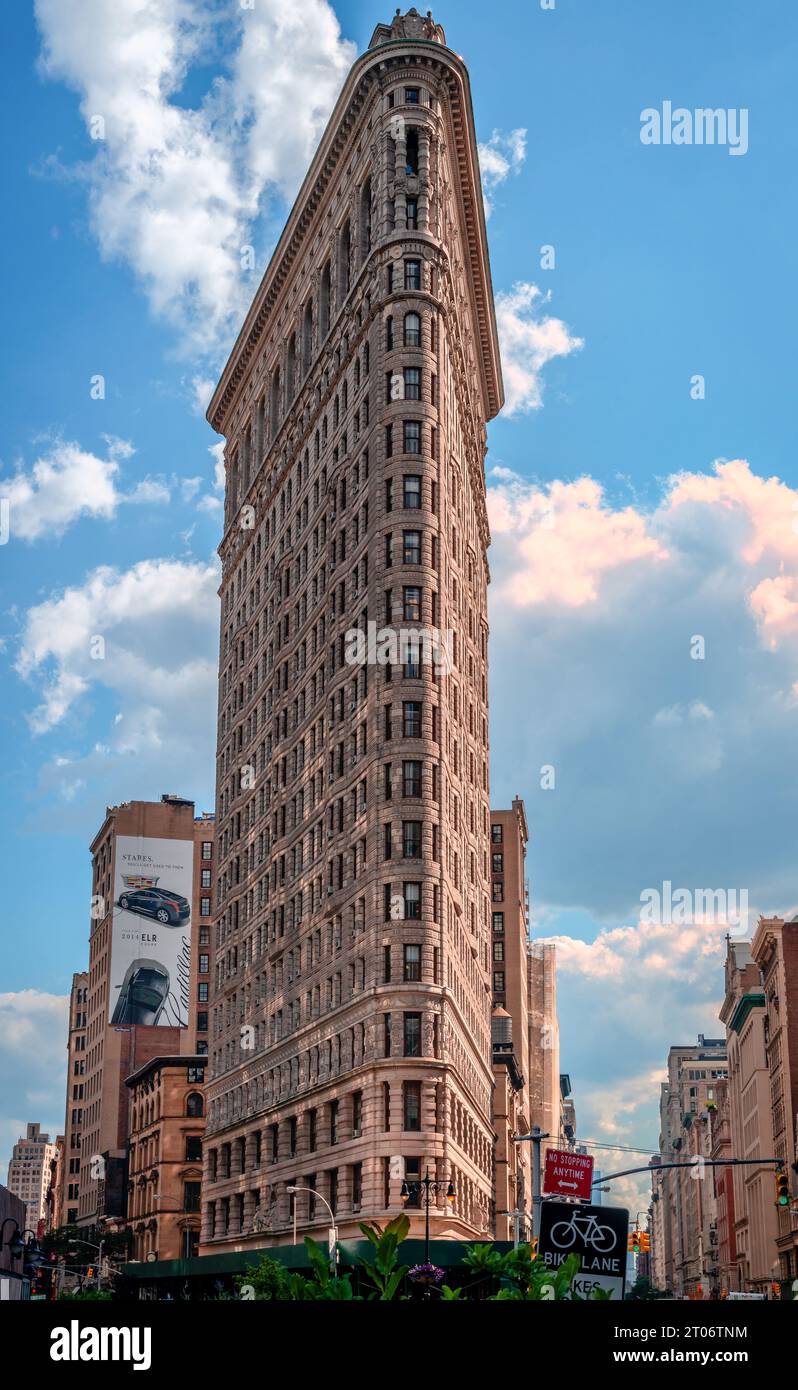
point(598, 1235)
point(568, 1174)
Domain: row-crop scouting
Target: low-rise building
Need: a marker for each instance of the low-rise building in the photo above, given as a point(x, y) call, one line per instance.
point(775, 950)
point(164, 1181)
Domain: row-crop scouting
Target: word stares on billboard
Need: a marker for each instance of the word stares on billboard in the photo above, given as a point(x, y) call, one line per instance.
point(151, 932)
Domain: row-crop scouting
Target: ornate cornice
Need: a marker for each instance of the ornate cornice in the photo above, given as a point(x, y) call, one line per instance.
point(365, 73)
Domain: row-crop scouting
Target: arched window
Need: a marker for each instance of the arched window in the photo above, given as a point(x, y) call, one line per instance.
point(324, 303)
point(275, 402)
point(412, 330)
point(344, 251)
point(194, 1105)
point(365, 219)
point(307, 338)
point(290, 371)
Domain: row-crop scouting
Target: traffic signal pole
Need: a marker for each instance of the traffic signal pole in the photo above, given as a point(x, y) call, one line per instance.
point(535, 1137)
point(778, 1163)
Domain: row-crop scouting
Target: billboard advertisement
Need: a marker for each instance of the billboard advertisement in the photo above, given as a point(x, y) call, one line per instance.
point(151, 932)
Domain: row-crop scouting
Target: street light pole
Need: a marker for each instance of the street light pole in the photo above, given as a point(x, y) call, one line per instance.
point(334, 1252)
point(429, 1185)
point(535, 1138)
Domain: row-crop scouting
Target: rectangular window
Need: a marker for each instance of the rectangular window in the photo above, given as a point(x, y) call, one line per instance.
point(496, 832)
point(412, 438)
point(411, 1104)
point(207, 849)
point(193, 1148)
point(498, 950)
point(202, 993)
point(498, 923)
point(357, 1185)
point(191, 1196)
point(389, 441)
point(412, 963)
point(357, 1114)
point(412, 96)
point(411, 839)
point(498, 863)
point(498, 981)
point(312, 1130)
point(206, 878)
point(202, 1022)
point(411, 779)
point(411, 718)
point(205, 908)
point(411, 603)
point(386, 1029)
point(412, 383)
point(412, 1035)
point(204, 963)
point(333, 1121)
point(412, 214)
point(386, 965)
point(411, 547)
point(412, 275)
point(412, 899)
point(412, 492)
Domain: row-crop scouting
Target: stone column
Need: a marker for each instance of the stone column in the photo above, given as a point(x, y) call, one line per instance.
point(424, 144)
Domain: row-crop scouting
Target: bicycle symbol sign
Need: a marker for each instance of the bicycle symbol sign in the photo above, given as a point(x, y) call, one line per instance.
point(565, 1234)
point(597, 1235)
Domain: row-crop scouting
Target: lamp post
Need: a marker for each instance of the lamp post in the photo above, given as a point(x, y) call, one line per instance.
point(429, 1185)
point(292, 1191)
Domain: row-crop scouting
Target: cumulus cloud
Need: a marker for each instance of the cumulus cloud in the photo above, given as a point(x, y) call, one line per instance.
point(142, 645)
point(33, 1059)
point(175, 188)
point(529, 338)
point(67, 482)
point(660, 759)
point(503, 154)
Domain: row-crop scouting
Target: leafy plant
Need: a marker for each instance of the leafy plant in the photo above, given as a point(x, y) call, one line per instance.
point(85, 1296)
point(384, 1271)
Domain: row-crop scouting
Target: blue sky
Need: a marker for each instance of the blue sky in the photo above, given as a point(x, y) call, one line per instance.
point(616, 538)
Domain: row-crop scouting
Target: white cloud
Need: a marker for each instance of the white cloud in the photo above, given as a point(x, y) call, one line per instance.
point(67, 482)
point(661, 760)
point(33, 1059)
point(501, 155)
point(529, 339)
point(157, 623)
point(175, 189)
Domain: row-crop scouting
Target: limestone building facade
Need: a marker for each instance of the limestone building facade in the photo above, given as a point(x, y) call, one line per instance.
point(350, 1047)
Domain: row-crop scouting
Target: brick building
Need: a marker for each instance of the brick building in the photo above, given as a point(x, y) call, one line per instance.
point(775, 950)
point(510, 1022)
point(157, 1005)
point(681, 1233)
point(164, 1181)
point(750, 1121)
point(351, 1045)
point(29, 1175)
point(69, 1171)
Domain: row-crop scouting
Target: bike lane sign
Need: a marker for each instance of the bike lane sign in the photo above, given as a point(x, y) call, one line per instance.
point(598, 1235)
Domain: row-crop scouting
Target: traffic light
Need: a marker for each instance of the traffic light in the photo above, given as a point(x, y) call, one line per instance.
point(634, 1242)
point(90, 1272)
point(645, 1242)
point(782, 1188)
